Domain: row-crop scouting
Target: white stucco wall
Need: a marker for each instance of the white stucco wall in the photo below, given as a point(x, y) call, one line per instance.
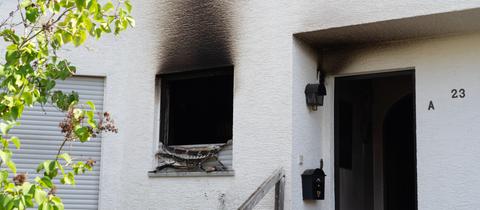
point(272, 125)
point(447, 147)
point(309, 129)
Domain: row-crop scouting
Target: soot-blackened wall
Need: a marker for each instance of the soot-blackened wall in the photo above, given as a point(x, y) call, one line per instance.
point(197, 34)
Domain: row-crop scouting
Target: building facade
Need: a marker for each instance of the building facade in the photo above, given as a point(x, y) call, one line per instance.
point(371, 54)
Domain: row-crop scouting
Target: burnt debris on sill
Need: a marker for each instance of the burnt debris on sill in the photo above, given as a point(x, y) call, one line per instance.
point(192, 159)
point(153, 174)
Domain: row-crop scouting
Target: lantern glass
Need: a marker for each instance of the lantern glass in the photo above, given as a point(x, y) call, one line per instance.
point(314, 94)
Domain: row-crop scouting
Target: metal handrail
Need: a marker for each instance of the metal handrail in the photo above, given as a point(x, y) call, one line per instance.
point(277, 179)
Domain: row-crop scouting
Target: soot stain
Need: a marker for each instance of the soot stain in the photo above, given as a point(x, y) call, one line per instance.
point(197, 35)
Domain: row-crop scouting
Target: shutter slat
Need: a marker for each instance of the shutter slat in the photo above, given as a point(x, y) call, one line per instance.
point(56, 146)
point(225, 156)
point(49, 108)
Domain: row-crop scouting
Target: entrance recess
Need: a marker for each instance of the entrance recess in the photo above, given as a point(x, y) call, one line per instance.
point(375, 149)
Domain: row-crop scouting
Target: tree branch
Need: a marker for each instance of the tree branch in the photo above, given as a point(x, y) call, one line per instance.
point(49, 25)
point(21, 14)
point(60, 149)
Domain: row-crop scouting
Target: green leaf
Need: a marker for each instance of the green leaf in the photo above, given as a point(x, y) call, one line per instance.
point(98, 32)
point(92, 6)
point(81, 4)
point(59, 166)
point(25, 3)
point(131, 21)
point(28, 98)
point(125, 24)
point(2, 70)
point(46, 166)
point(12, 55)
point(40, 167)
point(3, 175)
point(92, 106)
point(58, 203)
point(69, 178)
point(16, 141)
point(56, 6)
point(16, 112)
point(4, 128)
point(45, 182)
point(91, 119)
point(32, 14)
point(66, 157)
point(64, 101)
point(28, 188)
point(79, 38)
point(7, 202)
point(10, 36)
point(40, 196)
point(108, 7)
point(66, 37)
point(4, 142)
point(118, 27)
point(5, 155)
point(128, 6)
point(82, 134)
point(12, 166)
point(45, 206)
point(28, 199)
point(49, 167)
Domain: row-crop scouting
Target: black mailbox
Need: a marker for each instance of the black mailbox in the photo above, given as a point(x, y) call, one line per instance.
point(313, 184)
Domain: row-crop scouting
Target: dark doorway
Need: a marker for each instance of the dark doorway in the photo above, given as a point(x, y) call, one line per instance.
point(399, 155)
point(375, 161)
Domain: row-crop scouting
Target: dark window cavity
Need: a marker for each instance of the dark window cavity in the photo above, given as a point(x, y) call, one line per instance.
point(197, 107)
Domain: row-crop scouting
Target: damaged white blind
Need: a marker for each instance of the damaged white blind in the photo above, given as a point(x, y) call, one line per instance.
point(224, 156)
point(41, 137)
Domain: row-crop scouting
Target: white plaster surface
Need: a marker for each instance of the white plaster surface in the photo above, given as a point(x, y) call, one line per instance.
point(447, 138)
point(272, 125)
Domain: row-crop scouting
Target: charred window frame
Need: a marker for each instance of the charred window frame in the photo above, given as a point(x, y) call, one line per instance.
point(196, 107)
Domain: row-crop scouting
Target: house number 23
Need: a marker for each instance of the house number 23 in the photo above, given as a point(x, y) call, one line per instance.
point(458, 93)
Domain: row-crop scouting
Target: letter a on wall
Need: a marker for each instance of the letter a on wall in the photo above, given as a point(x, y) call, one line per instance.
point(430, 106)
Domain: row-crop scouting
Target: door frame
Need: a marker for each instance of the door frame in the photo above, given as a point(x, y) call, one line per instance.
point(361, 76)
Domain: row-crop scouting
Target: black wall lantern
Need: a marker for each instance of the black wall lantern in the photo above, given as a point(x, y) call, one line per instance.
point(314, 93)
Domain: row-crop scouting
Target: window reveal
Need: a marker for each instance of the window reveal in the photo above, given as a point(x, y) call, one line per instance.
point(196, 119)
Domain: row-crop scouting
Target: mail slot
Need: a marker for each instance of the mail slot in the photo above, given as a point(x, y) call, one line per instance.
point(313, 184)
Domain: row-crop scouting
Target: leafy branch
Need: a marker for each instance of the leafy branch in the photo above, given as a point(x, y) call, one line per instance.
point(28, 75)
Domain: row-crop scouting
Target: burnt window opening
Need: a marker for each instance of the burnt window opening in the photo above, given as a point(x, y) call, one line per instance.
point(197, 107)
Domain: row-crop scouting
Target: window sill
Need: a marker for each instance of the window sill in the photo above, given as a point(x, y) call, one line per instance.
point(190, 174)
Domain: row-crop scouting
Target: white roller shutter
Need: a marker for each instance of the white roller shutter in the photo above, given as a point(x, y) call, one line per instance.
point(224, 156)
point(41, 137)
